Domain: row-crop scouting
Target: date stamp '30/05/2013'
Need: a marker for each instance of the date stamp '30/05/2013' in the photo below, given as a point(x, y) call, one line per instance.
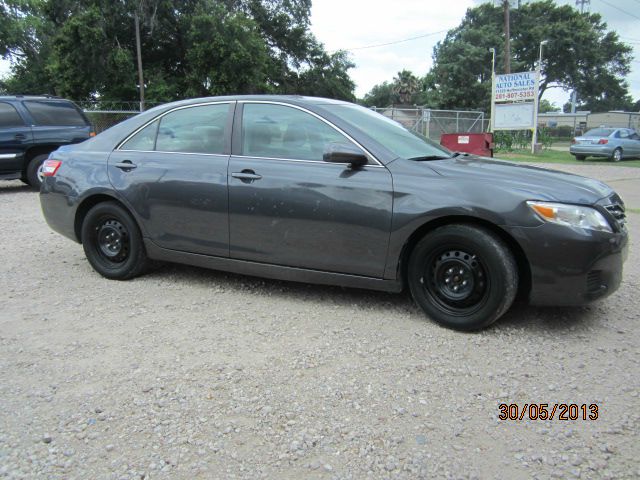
point(548, 411)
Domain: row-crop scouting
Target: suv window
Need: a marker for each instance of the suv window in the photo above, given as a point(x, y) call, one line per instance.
point(278, 131)
point(55, 113)
point(193, 130)
point(9, 116)
point(144, 140)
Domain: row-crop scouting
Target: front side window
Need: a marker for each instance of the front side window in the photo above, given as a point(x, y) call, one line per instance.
point(55, 113)
point(278, 131)
point(198, 129)
point(9, 116)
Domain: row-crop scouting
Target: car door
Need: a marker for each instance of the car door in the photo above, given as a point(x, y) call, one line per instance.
point(289, 207)
point(634, 140)
point(173, 174)
point(623, 138)
point(15, 137)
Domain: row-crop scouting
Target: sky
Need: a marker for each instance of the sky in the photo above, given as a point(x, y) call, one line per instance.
point(353, 24)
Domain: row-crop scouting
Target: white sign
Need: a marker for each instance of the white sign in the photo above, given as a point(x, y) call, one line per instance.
point(463, 139)
point(514, 87)
point(514, 116)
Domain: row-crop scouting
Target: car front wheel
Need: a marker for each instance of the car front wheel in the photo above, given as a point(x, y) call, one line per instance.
point(112, 242)
point(463, 277)
point(580, 157)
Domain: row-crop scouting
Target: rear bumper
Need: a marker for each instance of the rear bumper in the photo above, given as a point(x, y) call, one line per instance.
point(592, 150)
point(572, 266)
point(58, 209)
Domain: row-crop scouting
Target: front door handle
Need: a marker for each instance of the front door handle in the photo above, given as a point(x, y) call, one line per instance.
point(126, 165)
point(20, 136)
point(246, 175)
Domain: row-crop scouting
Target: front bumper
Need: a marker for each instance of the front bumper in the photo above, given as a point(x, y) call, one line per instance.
point(571, 266)
point(592, 150)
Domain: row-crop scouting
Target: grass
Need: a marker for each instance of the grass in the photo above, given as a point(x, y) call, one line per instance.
point(555, 156)
point(633, 210)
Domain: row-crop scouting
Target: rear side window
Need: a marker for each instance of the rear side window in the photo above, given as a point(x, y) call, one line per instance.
point(193, 130)
point(144, 140)
point(9, 116)
point(55, 113)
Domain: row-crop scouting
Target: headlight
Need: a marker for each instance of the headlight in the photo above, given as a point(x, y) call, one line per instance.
point(571, 215)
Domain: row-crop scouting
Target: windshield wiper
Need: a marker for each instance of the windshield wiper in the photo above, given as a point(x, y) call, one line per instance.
point(429, 157)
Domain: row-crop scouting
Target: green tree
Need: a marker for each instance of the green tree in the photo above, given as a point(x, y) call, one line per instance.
point(580, 53)
point(381, 95)
point(545, 106)
point(85, 49)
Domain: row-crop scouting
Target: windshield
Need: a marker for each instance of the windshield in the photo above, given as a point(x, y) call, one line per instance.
point(600, 132)
point(390, 134)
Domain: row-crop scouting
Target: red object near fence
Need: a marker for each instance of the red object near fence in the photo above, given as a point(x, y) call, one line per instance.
point(476, 143)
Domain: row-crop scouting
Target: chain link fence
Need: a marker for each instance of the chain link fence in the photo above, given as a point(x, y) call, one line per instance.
point(433, 123)
point(104, 114)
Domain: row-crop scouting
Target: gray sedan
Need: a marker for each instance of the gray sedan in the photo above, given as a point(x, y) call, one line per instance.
point(612, 143)
point(322, 191)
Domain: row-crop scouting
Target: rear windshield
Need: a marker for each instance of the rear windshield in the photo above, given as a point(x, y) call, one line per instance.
point(55, 113)
point(389, 133)
point(600, 132)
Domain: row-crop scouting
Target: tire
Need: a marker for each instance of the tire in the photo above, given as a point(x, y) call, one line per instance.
point(463, 277)
point(112, 242)
point(581, 157)
point(34, 174)
point(616, 156)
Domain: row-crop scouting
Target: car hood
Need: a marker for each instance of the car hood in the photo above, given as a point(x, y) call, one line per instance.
point(534, 182)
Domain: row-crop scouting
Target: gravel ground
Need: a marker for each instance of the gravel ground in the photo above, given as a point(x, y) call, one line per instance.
point(190, 373)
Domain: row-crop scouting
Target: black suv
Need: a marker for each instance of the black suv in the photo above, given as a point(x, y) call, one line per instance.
point(31, 127)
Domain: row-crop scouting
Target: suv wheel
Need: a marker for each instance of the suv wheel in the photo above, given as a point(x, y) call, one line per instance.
point(463, 277)
point(112, 242)
point(34, 170)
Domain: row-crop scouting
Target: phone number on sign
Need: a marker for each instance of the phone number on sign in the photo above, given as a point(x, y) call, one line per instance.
point(515, 96)
point(546, 411)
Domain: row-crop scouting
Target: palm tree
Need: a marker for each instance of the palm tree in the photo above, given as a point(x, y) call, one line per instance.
point(405, 86)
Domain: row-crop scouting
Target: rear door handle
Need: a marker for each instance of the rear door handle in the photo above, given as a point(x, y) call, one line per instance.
point(20, 136)
point(249, 175)
point(126, 165)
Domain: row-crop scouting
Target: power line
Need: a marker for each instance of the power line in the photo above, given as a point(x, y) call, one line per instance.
point(394, 42)
point(620, 9)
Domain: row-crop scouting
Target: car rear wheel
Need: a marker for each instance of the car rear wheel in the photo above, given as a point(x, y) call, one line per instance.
point(616, 156)
point(463, 277)
point(34, 170)
point(581, 157)
point(112, 242)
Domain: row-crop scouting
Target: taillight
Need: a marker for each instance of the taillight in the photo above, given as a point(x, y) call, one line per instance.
point(50, 167)
point(603, 141)
point(573, 141)
point(92, 134)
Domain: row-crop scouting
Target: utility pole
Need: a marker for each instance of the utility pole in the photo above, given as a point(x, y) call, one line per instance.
point(139, 55)
point(507, 38)
point(582, 3)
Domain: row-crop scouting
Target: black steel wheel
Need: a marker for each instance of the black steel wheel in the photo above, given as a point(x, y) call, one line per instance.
point(462, 276)
point(112, 242)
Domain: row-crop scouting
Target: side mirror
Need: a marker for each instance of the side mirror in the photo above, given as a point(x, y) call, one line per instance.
point(344, 153)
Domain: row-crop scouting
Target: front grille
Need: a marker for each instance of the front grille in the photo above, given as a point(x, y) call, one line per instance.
point(617, 212)
point(594, 281)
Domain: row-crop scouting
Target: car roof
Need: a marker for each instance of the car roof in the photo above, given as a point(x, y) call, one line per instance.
point(32, 97)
